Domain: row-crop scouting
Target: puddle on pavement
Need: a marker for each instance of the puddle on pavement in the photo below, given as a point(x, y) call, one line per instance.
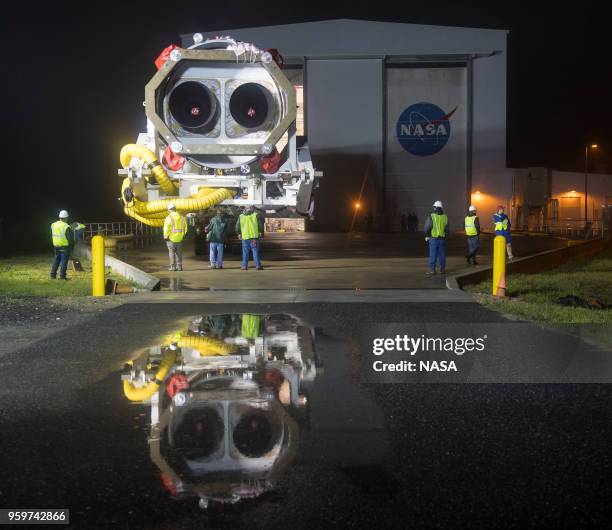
point(175, 284)
point(234, 399)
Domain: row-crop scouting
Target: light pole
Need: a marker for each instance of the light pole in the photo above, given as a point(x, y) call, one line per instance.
point(586, 181)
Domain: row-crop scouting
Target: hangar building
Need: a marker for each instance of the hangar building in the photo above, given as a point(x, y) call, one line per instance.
point(396, 115)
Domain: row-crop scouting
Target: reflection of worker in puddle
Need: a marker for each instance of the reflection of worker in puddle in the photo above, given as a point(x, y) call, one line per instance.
point(218, 326)
point(251, 327)
point(225, 408)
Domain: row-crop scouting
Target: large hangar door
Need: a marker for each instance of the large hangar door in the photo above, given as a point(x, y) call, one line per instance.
point(344, 121)
point(426, 147)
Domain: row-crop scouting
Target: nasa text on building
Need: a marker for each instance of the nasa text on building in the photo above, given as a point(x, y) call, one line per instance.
point(417, 112)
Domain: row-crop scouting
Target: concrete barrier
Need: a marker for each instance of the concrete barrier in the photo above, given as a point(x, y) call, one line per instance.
point(119, 241)
point(142, 278)
point(543, 261)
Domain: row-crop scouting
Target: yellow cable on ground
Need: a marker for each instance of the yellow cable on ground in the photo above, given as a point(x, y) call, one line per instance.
point(142, 393)
point(206, 346)
point(157, 170)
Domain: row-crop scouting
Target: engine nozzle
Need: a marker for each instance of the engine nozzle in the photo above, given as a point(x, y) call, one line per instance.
point(249, 105)
point(193, 106)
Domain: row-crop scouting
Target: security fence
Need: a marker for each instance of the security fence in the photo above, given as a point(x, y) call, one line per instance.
point(139, 230)
point(577, 229)
point(570, 228)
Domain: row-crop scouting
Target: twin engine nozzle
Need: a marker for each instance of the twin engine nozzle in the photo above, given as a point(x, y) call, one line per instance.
point(218, 108)
point(196, 108)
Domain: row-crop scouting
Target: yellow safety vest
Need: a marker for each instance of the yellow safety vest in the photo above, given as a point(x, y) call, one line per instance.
point(249, 226)
point(250, 326)
point(470, 225)
point(501, 226)
point(439, 221)
point(58, 234)
point(175, 227)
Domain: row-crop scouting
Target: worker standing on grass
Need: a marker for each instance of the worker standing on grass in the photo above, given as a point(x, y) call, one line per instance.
point(472, 231)
point(175, 230)
point(502, 228)
point(249, 228)
point(216, 233)
point(78, 230)
point(63, 239)
point(436, 231)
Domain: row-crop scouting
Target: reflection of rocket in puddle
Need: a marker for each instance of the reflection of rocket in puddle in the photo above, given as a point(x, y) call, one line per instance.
point(226, 396)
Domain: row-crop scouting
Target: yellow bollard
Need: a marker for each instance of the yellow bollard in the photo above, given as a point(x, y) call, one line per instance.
point(97, 266)
point(499, 266)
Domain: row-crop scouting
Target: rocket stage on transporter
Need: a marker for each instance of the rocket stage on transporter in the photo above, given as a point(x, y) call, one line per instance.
point(220, 130)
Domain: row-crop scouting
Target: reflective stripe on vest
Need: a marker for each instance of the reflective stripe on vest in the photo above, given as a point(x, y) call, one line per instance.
point(439, 222)
point(178, 227)
point(249, 227)
point(58, 234)
point(470, 225)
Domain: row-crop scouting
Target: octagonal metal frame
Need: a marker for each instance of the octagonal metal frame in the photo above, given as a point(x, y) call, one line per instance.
point(224, 56)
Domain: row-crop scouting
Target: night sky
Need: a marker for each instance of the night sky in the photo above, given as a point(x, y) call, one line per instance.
point(74, 76)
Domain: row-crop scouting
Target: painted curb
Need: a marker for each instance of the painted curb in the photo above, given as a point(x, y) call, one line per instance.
point(142, 278)
point(542, 261)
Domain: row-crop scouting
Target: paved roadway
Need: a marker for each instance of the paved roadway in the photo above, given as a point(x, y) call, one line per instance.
point(326, 261)
point(370, 455)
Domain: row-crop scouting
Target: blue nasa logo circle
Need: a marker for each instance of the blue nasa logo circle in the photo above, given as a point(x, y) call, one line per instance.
point(423, 129)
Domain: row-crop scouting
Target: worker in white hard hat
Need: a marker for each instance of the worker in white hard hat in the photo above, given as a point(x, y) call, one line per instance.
point(472, 232)
point(175, 230)
point(62, 238)
point(436, 232)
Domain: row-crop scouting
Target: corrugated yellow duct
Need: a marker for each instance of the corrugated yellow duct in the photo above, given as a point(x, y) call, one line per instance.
point(157, 170)
point(206, 346)
point(142, 393)
point(150, 221)
point(204, 199)
point(153, 213)
point(139, 393)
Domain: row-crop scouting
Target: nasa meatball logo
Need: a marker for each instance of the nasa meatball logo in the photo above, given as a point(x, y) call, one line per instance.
point(423, 129)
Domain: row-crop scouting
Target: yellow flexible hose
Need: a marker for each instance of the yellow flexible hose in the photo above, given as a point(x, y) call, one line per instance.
point(202, 200)
point(139, 393)
point(142, 393)
point(157, 170)
point(153, 213)
point(206, 346)
point(150, 221)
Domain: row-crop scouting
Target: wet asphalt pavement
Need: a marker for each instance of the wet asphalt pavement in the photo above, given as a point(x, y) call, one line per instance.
point(369, 455)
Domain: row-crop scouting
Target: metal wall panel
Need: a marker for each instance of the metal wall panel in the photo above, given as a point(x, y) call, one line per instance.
point(427, 141)
point(344, 120)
